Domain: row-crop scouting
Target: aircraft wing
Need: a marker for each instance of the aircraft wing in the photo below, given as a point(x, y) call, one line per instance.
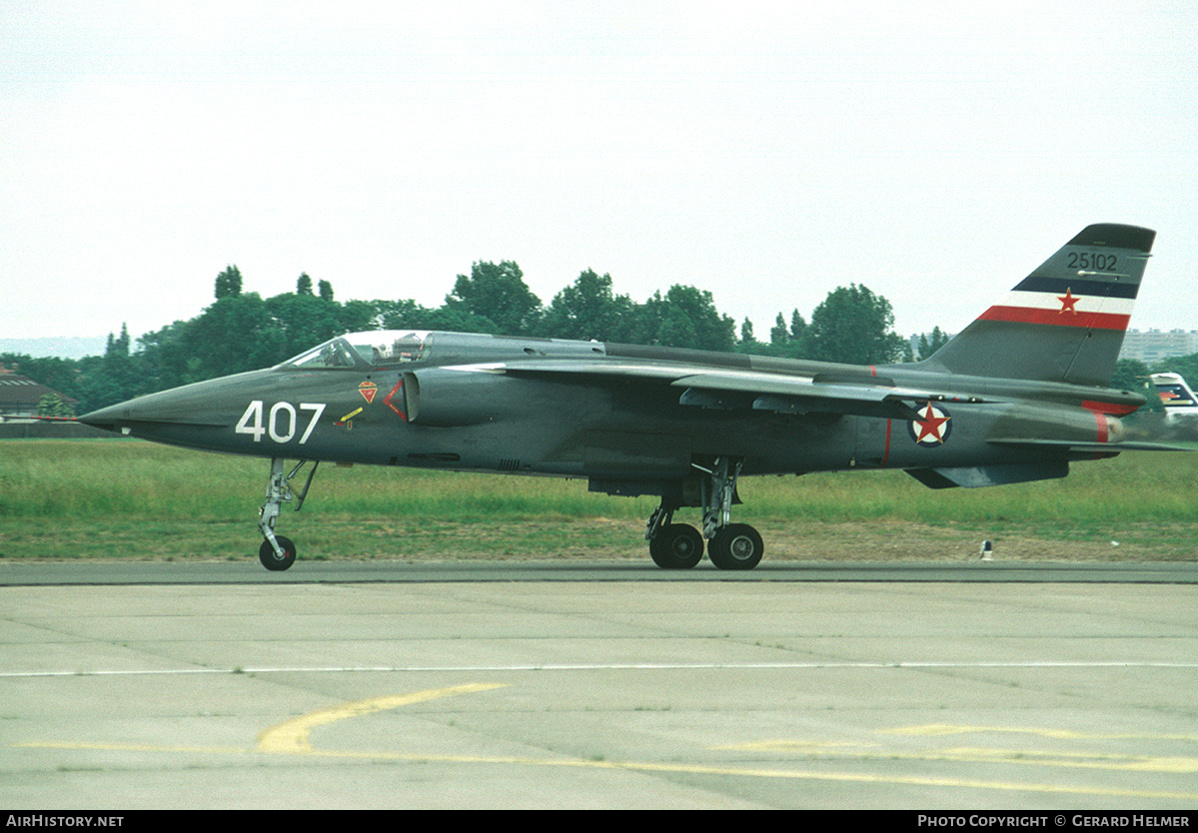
point(737, 388)
point(796, 395)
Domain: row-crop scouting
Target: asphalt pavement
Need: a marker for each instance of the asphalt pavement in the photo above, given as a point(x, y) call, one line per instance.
point(390, 685)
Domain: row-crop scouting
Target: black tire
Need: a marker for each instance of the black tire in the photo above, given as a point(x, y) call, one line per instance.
point(676, 547)
point(270, 559)
point(736, 547)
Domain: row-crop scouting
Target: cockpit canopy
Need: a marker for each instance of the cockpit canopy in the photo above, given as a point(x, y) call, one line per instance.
point(367, 349)
point(386, 348)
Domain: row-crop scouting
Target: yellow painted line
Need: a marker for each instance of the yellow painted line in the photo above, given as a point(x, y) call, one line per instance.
point(980, 755)
point(798, 746)
point(134, 747)
point(940, 729)
point(688, 769)
point(1075, 760)
point(351, 415)
point(292, 736)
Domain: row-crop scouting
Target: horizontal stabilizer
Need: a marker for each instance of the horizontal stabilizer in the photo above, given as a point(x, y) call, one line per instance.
point(1096, 448)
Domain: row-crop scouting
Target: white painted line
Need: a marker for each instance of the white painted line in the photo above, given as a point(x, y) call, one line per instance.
point(641, 666)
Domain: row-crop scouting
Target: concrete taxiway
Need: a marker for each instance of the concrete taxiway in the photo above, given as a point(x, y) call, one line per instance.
point(552, 690)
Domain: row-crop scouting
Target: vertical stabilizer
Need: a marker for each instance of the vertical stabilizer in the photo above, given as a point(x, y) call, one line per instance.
point(1065, 321)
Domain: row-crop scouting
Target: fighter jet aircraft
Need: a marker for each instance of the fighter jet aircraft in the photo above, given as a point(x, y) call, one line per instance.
point(1176, 396)
point(1017, 396)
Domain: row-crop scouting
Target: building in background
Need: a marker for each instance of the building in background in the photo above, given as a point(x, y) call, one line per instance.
point(1152, 346)
point(20, 396)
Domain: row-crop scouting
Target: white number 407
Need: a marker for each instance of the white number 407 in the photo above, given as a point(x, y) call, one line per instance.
point(281, 424)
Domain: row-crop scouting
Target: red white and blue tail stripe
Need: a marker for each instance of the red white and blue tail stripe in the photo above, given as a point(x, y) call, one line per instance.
point(1060, 302)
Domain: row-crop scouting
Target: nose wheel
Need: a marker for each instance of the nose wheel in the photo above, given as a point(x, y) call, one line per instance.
point(281, 559)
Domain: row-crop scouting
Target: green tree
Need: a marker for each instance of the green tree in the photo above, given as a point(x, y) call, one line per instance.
point(303, 321)
point(798, 327)
point(163, 358)
point(780, 334)
point(498, 293)
point(691, 310)
point(234, 334)
point(457, 317)
point(228, 283)
point(587, 309)
point(401, 314)
point(356, 316)
point(677, 330)
point(406, 314)
point(111, 378)
point(641, 323)
point(853, 326)
point(747, 343)
point(303, 284)
point(51, 405)
point(929, 344)
point(748, 340)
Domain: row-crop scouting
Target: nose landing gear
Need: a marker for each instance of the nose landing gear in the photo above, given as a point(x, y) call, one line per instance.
point(278, 552)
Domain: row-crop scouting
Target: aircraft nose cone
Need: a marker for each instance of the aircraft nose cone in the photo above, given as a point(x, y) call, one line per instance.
point(105, 418)
point(201, 406)
point(157, 407)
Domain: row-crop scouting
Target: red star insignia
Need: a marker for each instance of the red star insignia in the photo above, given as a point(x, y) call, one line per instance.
point(1068, 302)
point(931, 425)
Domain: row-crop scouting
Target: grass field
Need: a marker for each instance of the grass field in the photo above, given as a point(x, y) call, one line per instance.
point(129, 499)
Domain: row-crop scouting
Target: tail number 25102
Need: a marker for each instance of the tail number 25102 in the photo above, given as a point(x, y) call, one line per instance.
point(282, 422)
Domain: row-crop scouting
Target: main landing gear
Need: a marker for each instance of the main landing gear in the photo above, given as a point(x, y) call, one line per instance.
point(278, 552)
point(680, 546)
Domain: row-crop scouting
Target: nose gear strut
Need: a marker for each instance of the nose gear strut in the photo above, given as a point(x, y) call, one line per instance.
point(278, 552)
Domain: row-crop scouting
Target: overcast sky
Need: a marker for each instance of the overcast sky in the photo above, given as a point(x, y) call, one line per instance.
point(766, 151)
